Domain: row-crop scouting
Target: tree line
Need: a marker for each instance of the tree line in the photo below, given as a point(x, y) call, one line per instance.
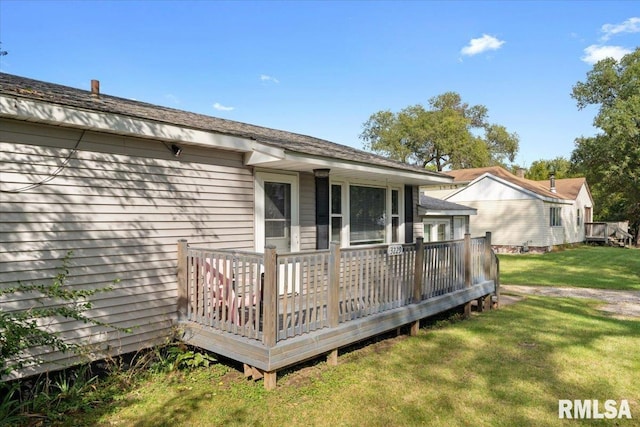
point(451, 134)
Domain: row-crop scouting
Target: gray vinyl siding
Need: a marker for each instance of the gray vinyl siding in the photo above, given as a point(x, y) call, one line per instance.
point(120, 204)
point(307, 212)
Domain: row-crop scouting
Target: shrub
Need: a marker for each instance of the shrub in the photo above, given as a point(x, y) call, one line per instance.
point(20, 329)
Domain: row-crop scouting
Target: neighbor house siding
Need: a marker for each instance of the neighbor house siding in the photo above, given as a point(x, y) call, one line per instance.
point(511, 222)
point(583, 201)
point(120, 204)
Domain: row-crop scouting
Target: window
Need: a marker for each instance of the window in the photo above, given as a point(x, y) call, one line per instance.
point(579, 217)
point(395, 216)
point(442, 232)
point(277, 218)
point(427, 232)
point(336, 213)
point(367, 215)
point(556, 218)
point(437, 230)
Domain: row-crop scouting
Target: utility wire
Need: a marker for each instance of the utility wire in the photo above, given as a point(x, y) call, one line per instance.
point(54, 174)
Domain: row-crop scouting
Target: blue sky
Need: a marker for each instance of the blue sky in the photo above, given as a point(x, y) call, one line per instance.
point(322, 68)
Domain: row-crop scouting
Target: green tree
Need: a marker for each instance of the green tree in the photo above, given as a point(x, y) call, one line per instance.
point(541, 169)
point(450, 133)
point(611, 159)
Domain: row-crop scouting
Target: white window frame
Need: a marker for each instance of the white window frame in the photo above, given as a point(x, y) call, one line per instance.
point(346, 210)
point(555, 216)
point(293, 180)
point(392, 215)
point(342, 215)
point(434, 229)
point(579, 217)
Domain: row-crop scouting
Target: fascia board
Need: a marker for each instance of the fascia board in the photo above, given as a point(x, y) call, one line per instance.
point(431, 212)
point(397, 174)
point(44, 112)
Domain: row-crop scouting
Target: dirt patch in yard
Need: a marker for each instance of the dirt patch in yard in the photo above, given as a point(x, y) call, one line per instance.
point(623, 304)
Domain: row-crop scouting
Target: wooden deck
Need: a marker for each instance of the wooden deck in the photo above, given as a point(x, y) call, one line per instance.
point(272, 311)
point(608, 233)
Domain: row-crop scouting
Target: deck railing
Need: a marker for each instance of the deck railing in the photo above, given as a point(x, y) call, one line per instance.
point(272, 297)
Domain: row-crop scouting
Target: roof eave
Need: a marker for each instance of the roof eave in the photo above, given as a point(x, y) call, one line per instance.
point(422, 211)
point(256, 153)
point(513, 186)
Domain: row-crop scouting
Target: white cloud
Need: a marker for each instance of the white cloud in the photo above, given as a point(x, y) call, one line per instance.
point(172, 98)
point(482, 44)
point(267, 78)
point(221, 107)
point(631, 25)
point(595, 53)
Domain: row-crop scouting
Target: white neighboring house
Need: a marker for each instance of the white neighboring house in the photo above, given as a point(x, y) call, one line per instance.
point(523, 215)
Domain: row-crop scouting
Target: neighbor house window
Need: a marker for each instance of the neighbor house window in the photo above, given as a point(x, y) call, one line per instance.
point(579, 217)
point(336, 213)
point(556, 218)
point(367, 215)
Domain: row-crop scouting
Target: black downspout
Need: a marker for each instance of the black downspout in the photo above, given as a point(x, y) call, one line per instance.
point(322, 208)
point(408, 213)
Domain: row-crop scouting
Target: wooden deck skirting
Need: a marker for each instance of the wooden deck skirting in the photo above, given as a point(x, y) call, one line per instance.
point(271, 311)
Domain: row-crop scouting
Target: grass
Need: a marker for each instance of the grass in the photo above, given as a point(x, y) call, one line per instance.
point(584, 267)
point(502, 368)
point(499, 368)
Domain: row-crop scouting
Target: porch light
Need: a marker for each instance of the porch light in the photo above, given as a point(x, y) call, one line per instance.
point(176, 150)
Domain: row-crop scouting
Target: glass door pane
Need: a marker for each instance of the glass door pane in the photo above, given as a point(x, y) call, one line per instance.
point(277, 215)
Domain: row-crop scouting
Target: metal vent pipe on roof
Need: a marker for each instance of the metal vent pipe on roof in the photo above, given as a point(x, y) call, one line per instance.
point(95, 88)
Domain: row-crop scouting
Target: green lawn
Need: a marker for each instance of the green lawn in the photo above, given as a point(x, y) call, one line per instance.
point(506, 367)
point(502, 368)
point(585, 267)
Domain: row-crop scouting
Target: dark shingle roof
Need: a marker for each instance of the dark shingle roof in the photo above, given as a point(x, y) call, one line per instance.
point(22, 87)
point(432, 203)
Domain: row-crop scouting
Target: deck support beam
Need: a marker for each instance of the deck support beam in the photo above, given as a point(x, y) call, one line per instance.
point(270, 380)
point(332, 358)
point(415, 328)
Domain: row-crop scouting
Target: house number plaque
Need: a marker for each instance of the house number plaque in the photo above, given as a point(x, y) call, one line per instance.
point(394, 250)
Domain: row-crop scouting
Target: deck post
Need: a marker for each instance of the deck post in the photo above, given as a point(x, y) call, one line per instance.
point(418, 271)
point(497, 279)
point(270, 380)
point(487, 256)
point(467, 270)
point(181, 273)
point(333, 297)
point(270, 301)
point(333, 304)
